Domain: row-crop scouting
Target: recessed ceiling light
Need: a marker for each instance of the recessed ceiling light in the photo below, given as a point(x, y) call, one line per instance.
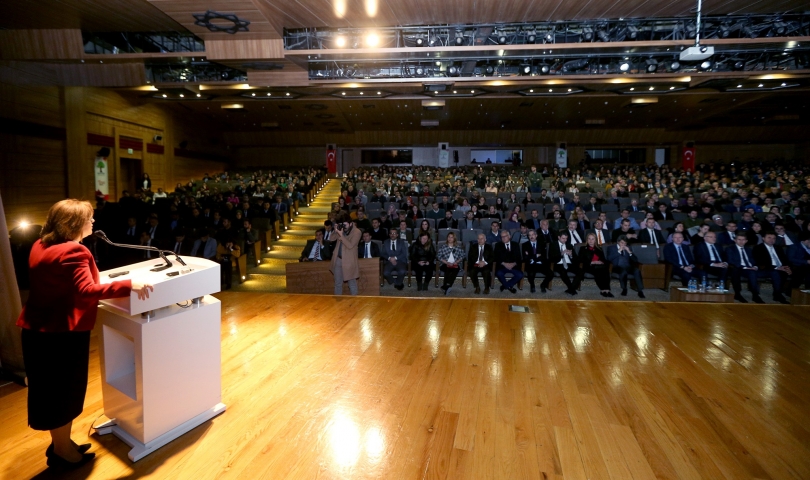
point(164, 95)
point(672, 88)
point(198, 95)
point(569, 89)
point(269, 94)
point(252, 94)
point(531, 91)
point(455, 91)
point(343, 93)
point(652, 88)
point(361, 93)
point(784, 84)
point(760, 85)
point(739, 86)
point(550, 89)
point(472, 91)
point(379, 93)
point(288, 94)
point(632, 88)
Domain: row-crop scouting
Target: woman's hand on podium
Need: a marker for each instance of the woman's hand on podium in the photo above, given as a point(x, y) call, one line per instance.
point(143, 290)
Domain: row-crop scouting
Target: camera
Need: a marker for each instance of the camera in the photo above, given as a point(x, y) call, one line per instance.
point(339, 226)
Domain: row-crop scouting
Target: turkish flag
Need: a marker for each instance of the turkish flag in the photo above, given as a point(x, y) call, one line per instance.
point(331, 160)
point(689, 159)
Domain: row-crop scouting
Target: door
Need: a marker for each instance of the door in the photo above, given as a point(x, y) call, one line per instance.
point(131, 174)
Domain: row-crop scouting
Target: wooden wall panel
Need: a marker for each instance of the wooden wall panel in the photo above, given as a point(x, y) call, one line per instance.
point(41, 44)
point(264, 49)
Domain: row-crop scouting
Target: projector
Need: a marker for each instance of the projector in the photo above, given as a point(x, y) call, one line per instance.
point(694, 54)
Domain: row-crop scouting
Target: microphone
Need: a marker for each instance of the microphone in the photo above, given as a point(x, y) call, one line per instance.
point(160, 252)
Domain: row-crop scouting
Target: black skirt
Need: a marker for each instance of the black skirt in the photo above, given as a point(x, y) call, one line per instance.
point(56, 365)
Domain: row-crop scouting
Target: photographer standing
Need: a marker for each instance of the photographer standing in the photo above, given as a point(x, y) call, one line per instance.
point(226, 252)
point(344, 254)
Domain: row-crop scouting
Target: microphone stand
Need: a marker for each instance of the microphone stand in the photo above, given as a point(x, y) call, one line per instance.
point(160, 252)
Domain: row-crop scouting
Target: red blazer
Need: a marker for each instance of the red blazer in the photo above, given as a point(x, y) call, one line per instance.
point(65, 289)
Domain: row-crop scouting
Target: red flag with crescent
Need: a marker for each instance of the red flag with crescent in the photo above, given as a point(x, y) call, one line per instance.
point(689, 159)
point(331, 160)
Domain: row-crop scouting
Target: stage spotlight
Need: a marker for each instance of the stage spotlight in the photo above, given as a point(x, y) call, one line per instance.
point(624, 67)
point(780, 28)
point(587, 34)
point(675, 65)
point(459, 38)
point(340, 42)
point(652, 65)
point(489, 70)
point(502, 39)
point(738, 65)
point(525, 69)
point(724, 30)
point(691, 30)
point(531, 36)
point(420, 41)
point(574, 65)
point(749, 32)
point(420, 71)
point(372, 40)
point(602, 35)
point(632, 32)
point(453, 71)
point(706, 65)
point(549, 38)
point(545, 69)
point(433, 40)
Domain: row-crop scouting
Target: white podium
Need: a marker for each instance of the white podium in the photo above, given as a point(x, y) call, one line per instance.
point(160, 357)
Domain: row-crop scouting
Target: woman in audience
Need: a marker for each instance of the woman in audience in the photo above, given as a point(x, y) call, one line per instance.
point(482, 204)
point(679, 227)
point(699, 235)
point(423, 258)
point(392, 211)
point(450, 255)
point(526, 201)
point(491, 188)
point(593, 261)
point(146, 183)
point(513, 223)
point(464, 206)
point(424, 204)
point(516, 208)
point(512, 201)
point(499, 205)
point(414, 213)
point(424, 227)
point(754, 234)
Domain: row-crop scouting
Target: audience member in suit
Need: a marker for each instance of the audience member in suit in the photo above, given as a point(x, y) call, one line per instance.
point(395, 253)
point(600, 234)
point(448, 221)
point(784, 238)
point(451, 256)
point(624, 229)
point(479, 261)
point(367, 248)
point(561, 255)
point(725, 238)
point(593, 261)
point(545, 234)
point(583, 225)
point(574, 234)
point(799, 257)
point(741, 260)
point(316, 250)
point(624, 264)
point(131, 235)
point(157, 232)
point(772, 262)
point(205, 246)
point(678, 255)
point(507, 258)
point(423, 260)
point(494, 233)
point(533, 222)
point(469, 222)
point(711, 257)
point(535, 260)
point(377, 232)
point(182, 244)
point(593, 205)
point(650, 235)
point(226, 252)
point(329, 233)
point(662, 213)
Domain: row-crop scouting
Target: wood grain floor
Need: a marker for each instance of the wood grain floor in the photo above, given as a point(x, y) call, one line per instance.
point(392, 388)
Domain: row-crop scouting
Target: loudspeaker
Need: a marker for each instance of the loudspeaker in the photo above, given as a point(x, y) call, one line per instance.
point(455, 156)
point(104, 152)
point(183, 144)
point(562, 146)
point(158, 138)
point(690, 144)
point(330, 146)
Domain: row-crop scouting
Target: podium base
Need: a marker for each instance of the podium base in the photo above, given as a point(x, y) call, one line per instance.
point(140, 450)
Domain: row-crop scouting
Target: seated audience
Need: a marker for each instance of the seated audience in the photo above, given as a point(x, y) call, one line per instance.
point(423, 259)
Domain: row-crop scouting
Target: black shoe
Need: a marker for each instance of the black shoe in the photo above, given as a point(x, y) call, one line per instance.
point(533, 289)
point(79, 448)
point(758, 299)
point(740, 298)
point(503, 288)
point(641, 294)
point(399, 287)
point(486, 290)
point(542, 289)
point(610, 295)
point(781, 300)
point(624, 292)
point(513, 290)
point(603, 294)
point(418, 286)
point(447, 289)
point(444, 289)
point(55, 461)
point(477, 290)
point(571, 292)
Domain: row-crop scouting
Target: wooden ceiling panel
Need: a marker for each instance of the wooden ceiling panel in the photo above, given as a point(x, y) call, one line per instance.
point(88, 15)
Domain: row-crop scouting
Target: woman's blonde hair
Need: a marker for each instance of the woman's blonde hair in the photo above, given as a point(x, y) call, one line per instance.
point(66, 220)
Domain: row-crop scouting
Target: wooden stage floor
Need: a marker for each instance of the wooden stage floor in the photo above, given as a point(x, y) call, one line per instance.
point(397, 388)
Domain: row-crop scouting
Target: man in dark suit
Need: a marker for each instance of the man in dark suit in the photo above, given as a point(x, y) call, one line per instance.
point(784, 238)
point(182, 245)
point(741, 259)
point(561, 255)
point(377, 232)
point(602, 236)
point(395, 253)
point(367, 248)
point(727, 237)
point(799, 256)
point(545, 234)
point(533, 222)
point(679, 256)
point(650, 235)
point(469, 222)
point(507, 259)
point(621, 257)
point(316, 250)
point(711, 258)
point(131, 234)
point(448, 221)
point(535, 260)
point(772, 262)
point(479, 261)
point(662, 213)
point(592, 206)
